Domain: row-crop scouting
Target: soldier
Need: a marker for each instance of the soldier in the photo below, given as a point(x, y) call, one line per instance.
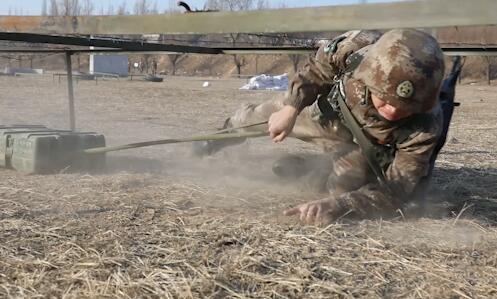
point(372, 101)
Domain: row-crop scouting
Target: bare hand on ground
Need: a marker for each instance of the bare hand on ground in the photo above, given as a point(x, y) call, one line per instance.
point(316, 212)
point(281, 123)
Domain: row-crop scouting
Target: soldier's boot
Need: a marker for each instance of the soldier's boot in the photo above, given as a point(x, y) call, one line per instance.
point(291, 167)
point(312, 170)
point(208, 148)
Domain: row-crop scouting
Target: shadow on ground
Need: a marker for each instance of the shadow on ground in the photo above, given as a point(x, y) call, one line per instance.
point(466, 190)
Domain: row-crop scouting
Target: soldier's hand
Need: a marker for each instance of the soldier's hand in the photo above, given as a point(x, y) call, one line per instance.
point(281, 123)
point(318, 212)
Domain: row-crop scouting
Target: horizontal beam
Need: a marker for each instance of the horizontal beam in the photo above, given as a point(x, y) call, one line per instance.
point(470, 51)
point(424, 13)
point(126, 45)
point(450, 51)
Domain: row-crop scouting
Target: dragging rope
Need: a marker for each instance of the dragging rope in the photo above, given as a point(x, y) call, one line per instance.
point(224, 134)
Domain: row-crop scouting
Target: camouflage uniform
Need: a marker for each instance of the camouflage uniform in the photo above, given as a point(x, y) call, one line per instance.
point(412, 139)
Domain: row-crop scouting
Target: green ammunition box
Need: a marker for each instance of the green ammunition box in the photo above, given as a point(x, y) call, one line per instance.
point(36, 149)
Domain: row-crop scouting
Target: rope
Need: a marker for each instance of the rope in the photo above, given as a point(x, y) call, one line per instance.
point(219, 135)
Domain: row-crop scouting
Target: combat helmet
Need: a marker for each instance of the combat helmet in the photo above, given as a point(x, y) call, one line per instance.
point(405, 68)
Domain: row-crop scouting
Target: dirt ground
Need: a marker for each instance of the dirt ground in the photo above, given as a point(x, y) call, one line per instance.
point(159, 224)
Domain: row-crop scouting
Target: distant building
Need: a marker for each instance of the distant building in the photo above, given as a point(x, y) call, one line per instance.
point(109, 64)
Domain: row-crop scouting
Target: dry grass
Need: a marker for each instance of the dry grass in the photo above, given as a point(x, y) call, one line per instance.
point(157, 224)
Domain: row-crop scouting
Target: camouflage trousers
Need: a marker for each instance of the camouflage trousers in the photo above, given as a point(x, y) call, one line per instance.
point(341, 169)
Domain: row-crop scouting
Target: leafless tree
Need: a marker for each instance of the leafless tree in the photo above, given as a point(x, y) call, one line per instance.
point(44, 8)
point(146, 61)
point(70, 8)
point(282, 4)
point(172, 6)
point(145, 7)
point(54, 8)
point(64, 7)
point(262, 4)
point(231, 5)
point(174, 60)
point(239, 61)
point(489, 70)
point(155, 8)
point(88, 8)
point(295, 59)
point(31, 58)
point(122, 9)
point(234, 5)
point(110, 9)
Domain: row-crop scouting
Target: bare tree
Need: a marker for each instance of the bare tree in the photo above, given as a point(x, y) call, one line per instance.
point(70, 8)
point(142, 7)
point(110, 9)
point(146, 61)
point(262, 4)
point(174, 60)
point(122, 9)
point(44, 8)
point(282, 4)
point(155, 8)
point(172, 7)
point(231, 5)
point(88, 8)
point(489, 70)
point(295, 59)
point(239, 60)
point(54, 8)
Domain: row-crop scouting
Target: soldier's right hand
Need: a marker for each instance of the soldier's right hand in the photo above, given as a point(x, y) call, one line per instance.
point(318, 212)
point(281, 123)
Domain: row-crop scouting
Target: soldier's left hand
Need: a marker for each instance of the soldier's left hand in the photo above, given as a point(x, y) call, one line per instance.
point(318, 212)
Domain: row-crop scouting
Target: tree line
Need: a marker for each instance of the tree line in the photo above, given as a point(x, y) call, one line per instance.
point(140, 7)
point(144, 7)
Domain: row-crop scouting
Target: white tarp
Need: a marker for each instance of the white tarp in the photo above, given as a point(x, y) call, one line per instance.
point(267, 82)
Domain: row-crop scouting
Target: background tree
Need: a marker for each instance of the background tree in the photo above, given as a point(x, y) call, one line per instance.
point(235, 5)
point(145, 7)
point(44, 8)
point(295, 59)
point(174, 60)
point(122, 9)
point(70, 8)
point(54, 8)
point(88, 8)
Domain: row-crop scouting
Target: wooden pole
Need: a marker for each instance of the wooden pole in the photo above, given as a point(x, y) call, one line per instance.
point(70, 90)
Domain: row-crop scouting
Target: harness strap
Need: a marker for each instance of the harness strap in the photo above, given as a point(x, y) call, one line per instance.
point(372, 152)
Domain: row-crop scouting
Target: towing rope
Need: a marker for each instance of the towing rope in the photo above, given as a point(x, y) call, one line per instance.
point(224, 134)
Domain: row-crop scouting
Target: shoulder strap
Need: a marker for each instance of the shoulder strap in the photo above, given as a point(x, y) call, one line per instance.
point(372, 152)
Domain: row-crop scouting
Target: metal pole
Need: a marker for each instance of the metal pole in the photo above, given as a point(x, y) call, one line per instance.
point(70, 89)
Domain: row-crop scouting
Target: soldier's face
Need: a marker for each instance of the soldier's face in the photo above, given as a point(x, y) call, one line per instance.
point(388, 111)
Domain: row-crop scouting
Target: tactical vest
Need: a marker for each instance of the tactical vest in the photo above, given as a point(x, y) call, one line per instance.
point(380, 156)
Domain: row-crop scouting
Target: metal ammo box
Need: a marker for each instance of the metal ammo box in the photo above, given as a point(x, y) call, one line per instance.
point(36, 149)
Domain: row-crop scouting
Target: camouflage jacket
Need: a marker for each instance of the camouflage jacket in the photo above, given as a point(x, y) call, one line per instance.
point(412, 153)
